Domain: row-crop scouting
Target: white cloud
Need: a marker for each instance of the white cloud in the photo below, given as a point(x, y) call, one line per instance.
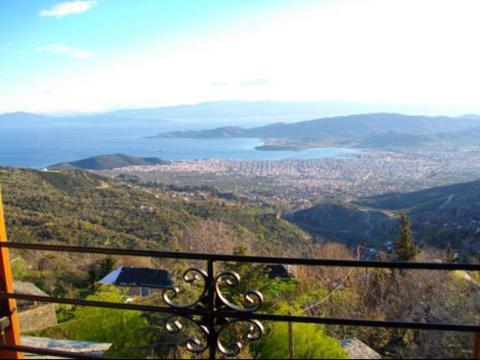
point(374, 51)
point(76, 53)
point(66, 8)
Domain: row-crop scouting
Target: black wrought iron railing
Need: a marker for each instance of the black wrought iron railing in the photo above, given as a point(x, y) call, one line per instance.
point(212, 312)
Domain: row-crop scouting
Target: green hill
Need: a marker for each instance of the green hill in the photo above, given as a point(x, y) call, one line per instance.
point(442, 215)
point(108, 162)
point(80, 208)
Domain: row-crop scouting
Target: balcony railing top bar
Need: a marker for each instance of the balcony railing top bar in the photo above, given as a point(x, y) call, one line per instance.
point(248, 259)
point(254, 316)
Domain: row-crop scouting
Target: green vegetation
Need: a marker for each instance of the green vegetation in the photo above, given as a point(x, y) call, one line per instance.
point(104, 325)
point(310, 342)
point(81, 208)
point(100, 269)
point(126, 330)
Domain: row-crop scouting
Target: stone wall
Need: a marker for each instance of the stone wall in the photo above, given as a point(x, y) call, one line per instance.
point(37, 318)
point(357, 349)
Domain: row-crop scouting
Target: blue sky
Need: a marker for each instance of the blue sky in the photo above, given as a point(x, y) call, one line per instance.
point(96, 55)
point(107, 28)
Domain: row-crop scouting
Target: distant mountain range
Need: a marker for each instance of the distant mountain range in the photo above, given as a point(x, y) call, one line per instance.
point(107, 162)
point(223, 111)
point(365, 130)
point(21, 116)
point(259, 110)
point(439, 215)
point(246, 113)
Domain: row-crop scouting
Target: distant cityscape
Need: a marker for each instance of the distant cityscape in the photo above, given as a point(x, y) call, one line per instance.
point(367, 173)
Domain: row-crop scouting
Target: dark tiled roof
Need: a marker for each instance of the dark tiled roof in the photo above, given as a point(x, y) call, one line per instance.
point(134, 276)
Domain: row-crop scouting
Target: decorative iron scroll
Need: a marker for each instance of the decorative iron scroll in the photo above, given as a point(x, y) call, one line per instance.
point(190, 276)
point(233, 348)
point(173, 324)
point(253, 301)
point(232, 279)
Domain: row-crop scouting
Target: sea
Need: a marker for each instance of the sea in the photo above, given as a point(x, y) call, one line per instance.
point(39, 144)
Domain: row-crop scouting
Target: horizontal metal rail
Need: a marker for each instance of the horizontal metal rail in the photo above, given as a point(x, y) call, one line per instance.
point(102, 304)
point(255, 316)
point(49, 352)
point(356, 322)
point(247, 259)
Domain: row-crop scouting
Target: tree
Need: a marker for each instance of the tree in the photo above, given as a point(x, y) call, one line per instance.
point(253, 276)
point(404, 248)
point(100, 269)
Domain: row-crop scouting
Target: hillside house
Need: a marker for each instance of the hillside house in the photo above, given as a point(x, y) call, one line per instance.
point(281, 271)
point(138, 281)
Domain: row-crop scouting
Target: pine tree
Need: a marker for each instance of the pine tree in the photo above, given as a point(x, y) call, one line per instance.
point(404, 248)
point(451, 256)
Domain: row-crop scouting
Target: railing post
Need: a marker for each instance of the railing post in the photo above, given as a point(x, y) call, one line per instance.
point(291, 340)
point(212, 337)
point(7, 306)
point(476, 349)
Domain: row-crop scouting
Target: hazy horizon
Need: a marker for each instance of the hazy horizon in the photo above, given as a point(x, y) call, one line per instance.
point(331, 108)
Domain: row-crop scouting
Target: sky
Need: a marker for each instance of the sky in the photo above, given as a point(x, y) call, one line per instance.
point(99, 55)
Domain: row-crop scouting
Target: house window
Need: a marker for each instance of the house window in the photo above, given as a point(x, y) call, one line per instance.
point(144, 291)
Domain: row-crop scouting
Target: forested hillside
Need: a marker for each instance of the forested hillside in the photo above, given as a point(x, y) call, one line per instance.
point(81, 208)
point(441, 216)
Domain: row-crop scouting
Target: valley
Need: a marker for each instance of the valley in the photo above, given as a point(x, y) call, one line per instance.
point(441, 217)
